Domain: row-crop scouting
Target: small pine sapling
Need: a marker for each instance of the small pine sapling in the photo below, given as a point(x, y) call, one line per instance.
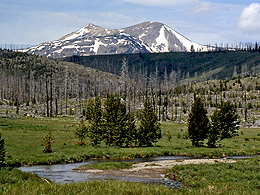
point(47, 141)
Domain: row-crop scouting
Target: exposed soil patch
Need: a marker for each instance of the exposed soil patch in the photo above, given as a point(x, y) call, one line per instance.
point(154, 169)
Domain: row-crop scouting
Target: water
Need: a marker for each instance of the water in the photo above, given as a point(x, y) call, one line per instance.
point(64, 173)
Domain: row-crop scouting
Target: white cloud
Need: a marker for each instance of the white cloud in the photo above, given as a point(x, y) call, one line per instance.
point(203, 7)
point(249, 20)
point(161, 2)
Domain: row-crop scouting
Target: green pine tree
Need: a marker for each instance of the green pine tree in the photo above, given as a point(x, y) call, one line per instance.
point(130, 135)
point(198, 123)
point(2, 150)
point(115, 119)
point(80, 133)
point(224, 124)
point(95, 128)
point(214, 131)
point(149, 130)
point(229, 120)
point(89, 109)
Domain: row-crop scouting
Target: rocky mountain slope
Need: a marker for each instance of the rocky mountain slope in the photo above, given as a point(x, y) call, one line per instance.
point(147, 37)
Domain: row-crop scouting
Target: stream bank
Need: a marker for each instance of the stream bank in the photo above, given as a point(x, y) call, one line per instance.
point(150, 170)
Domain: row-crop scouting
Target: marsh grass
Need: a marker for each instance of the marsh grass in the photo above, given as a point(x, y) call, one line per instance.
point(23, 145)
point(107, 166)
point(11, 176)
point(242, 177)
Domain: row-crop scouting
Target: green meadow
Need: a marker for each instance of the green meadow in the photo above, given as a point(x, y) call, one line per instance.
point(23, 145)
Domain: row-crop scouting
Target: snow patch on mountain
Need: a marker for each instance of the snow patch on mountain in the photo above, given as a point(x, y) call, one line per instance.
point(151, 37)
point(186, 42)
point(161, 42)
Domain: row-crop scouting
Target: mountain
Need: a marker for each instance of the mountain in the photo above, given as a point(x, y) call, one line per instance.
point(147, 37)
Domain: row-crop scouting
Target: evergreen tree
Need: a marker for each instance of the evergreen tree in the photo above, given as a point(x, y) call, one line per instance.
point(80, 132)
point(226, 120)
point(94, 114)
point(149, 130)
point(119, 127)
point(2, 150)
point(198, 123)
point(214, 131)
point(89, 108)
point(47, 141)
point(115, 121)
point(130, 135)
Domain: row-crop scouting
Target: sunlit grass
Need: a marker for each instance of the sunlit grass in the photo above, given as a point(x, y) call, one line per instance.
point(242, 177)
point(107, 166)
point(23, 145)
point(23, 142)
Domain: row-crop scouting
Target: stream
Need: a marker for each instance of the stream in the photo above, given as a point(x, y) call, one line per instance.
point(64, 173)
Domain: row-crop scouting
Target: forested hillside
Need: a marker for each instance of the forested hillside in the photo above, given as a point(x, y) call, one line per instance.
point(203, 65)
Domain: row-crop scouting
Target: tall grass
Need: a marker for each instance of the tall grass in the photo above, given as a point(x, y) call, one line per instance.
point(107, 166)
point(23, 143)
point(242, 177)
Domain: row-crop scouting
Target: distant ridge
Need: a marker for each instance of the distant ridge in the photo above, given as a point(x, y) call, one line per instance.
point(146, 37)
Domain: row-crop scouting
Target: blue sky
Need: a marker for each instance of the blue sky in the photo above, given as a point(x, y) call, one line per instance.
point(31, 22)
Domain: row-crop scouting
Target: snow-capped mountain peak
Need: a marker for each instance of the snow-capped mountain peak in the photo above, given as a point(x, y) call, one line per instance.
point(151, 37)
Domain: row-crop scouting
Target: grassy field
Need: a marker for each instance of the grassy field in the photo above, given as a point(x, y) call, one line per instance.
point(23, 145)
point(23, 138)
point(242, 177)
